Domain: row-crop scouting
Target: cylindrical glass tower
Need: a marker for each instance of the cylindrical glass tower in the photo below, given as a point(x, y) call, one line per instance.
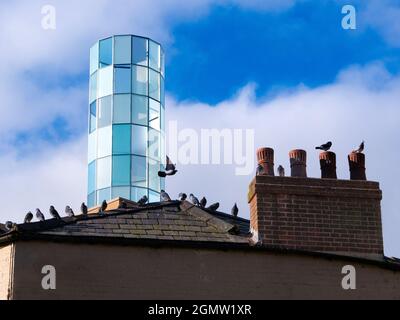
point(126, 119)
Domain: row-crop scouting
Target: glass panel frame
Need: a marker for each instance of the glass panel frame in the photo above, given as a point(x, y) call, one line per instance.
point(122, 49)
point(105, 52)
point(121, 139)
point(104, 112)
point(122, 108)
point(122, 79)
point(139, 171)
point(140, 81)
point(139, 140)
point(140, 51)
point(121, 167)
point(103, 174)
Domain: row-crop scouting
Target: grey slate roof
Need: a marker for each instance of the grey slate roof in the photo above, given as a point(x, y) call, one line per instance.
point(160, 221)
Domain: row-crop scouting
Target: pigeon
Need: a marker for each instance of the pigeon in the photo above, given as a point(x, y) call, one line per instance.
point(164, 196)
point(325, 147)
point(143, 200)
point(260, 170)
point(69, 212)
point(123, 205)
point(360, 148)
point(281, 171)
point(194, 200)
point(203, 202)
point(40, 215)
point(54, 213)
point(235, 210)
point(84, 209)
point(28, 217)
point(103, 206)
point(9, 225)
point(214, 206)
point(170, 169)
point(182, 196)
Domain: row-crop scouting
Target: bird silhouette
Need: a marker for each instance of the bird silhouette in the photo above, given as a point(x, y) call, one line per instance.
point(325, 147)
point(203, 202)
point(54, 213)
point(28, 217)
point(360, 148)
point(213, 207)
point(103, 206)
point(40, 215)
point(9, 225)
point(143, 200)
point(235, 210)
point(281, 171)
point(182, 196)
point(69, 212)
point(194, 200)
point(84, 209)
point(170, 169)
point(165, 196)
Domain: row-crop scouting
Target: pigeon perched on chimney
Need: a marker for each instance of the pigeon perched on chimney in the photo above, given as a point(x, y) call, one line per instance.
point(182, 196)
point(9, 225)
point(235, 210)
point(103, 206)
point(260, 170)
point(40, 215)
point(84, 209)
point(324, 147)
point(170, 169)
point(213, 207)
point(69, 212)
point(194, 200)
point(203, 202)
point(143, 200)
point(54, 213)
point(28, 217)
point(360, 148)
point(165, 196)
point(281, 171)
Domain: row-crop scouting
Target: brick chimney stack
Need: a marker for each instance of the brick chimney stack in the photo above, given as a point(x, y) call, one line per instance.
point(319, 215)
point(357, 166)
point(327, 160)
point(298, 163)
point(265, 157)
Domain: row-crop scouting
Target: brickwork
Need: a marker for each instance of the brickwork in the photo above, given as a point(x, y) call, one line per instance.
point(317, 214)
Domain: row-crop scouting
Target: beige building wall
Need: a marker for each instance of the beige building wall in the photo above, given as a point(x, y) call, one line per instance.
point(5, 271)
point(131, 272)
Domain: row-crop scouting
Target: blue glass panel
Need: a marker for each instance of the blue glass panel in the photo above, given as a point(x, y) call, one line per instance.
point(162, 91)
point(139, 80)
point(92, 144)
point(93, 87)
point(162, 62)
point(139, 109)
point(92, 177)
point(154, 196)
point(154, 55)
point(105, 52)
point(92, 120)
point(122, 49)
point(154, 85)
point(122, 108)
point(138, 193)
point(121, 167)
point(121, 192)
point(91, 200)
point(104, 141)
point(103, 173)
point(139, 140)
point(139, 171)
point(154, 179)
point(162, 119)
point(154, 114)
point(105, 82)
point(122, 139)
point(104, 194)
point(104, 111)
point(154, 144)
point(122, 76)
point(94, 58)
point(139, 51)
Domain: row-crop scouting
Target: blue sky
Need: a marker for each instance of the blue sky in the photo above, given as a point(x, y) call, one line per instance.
point(284, 68)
